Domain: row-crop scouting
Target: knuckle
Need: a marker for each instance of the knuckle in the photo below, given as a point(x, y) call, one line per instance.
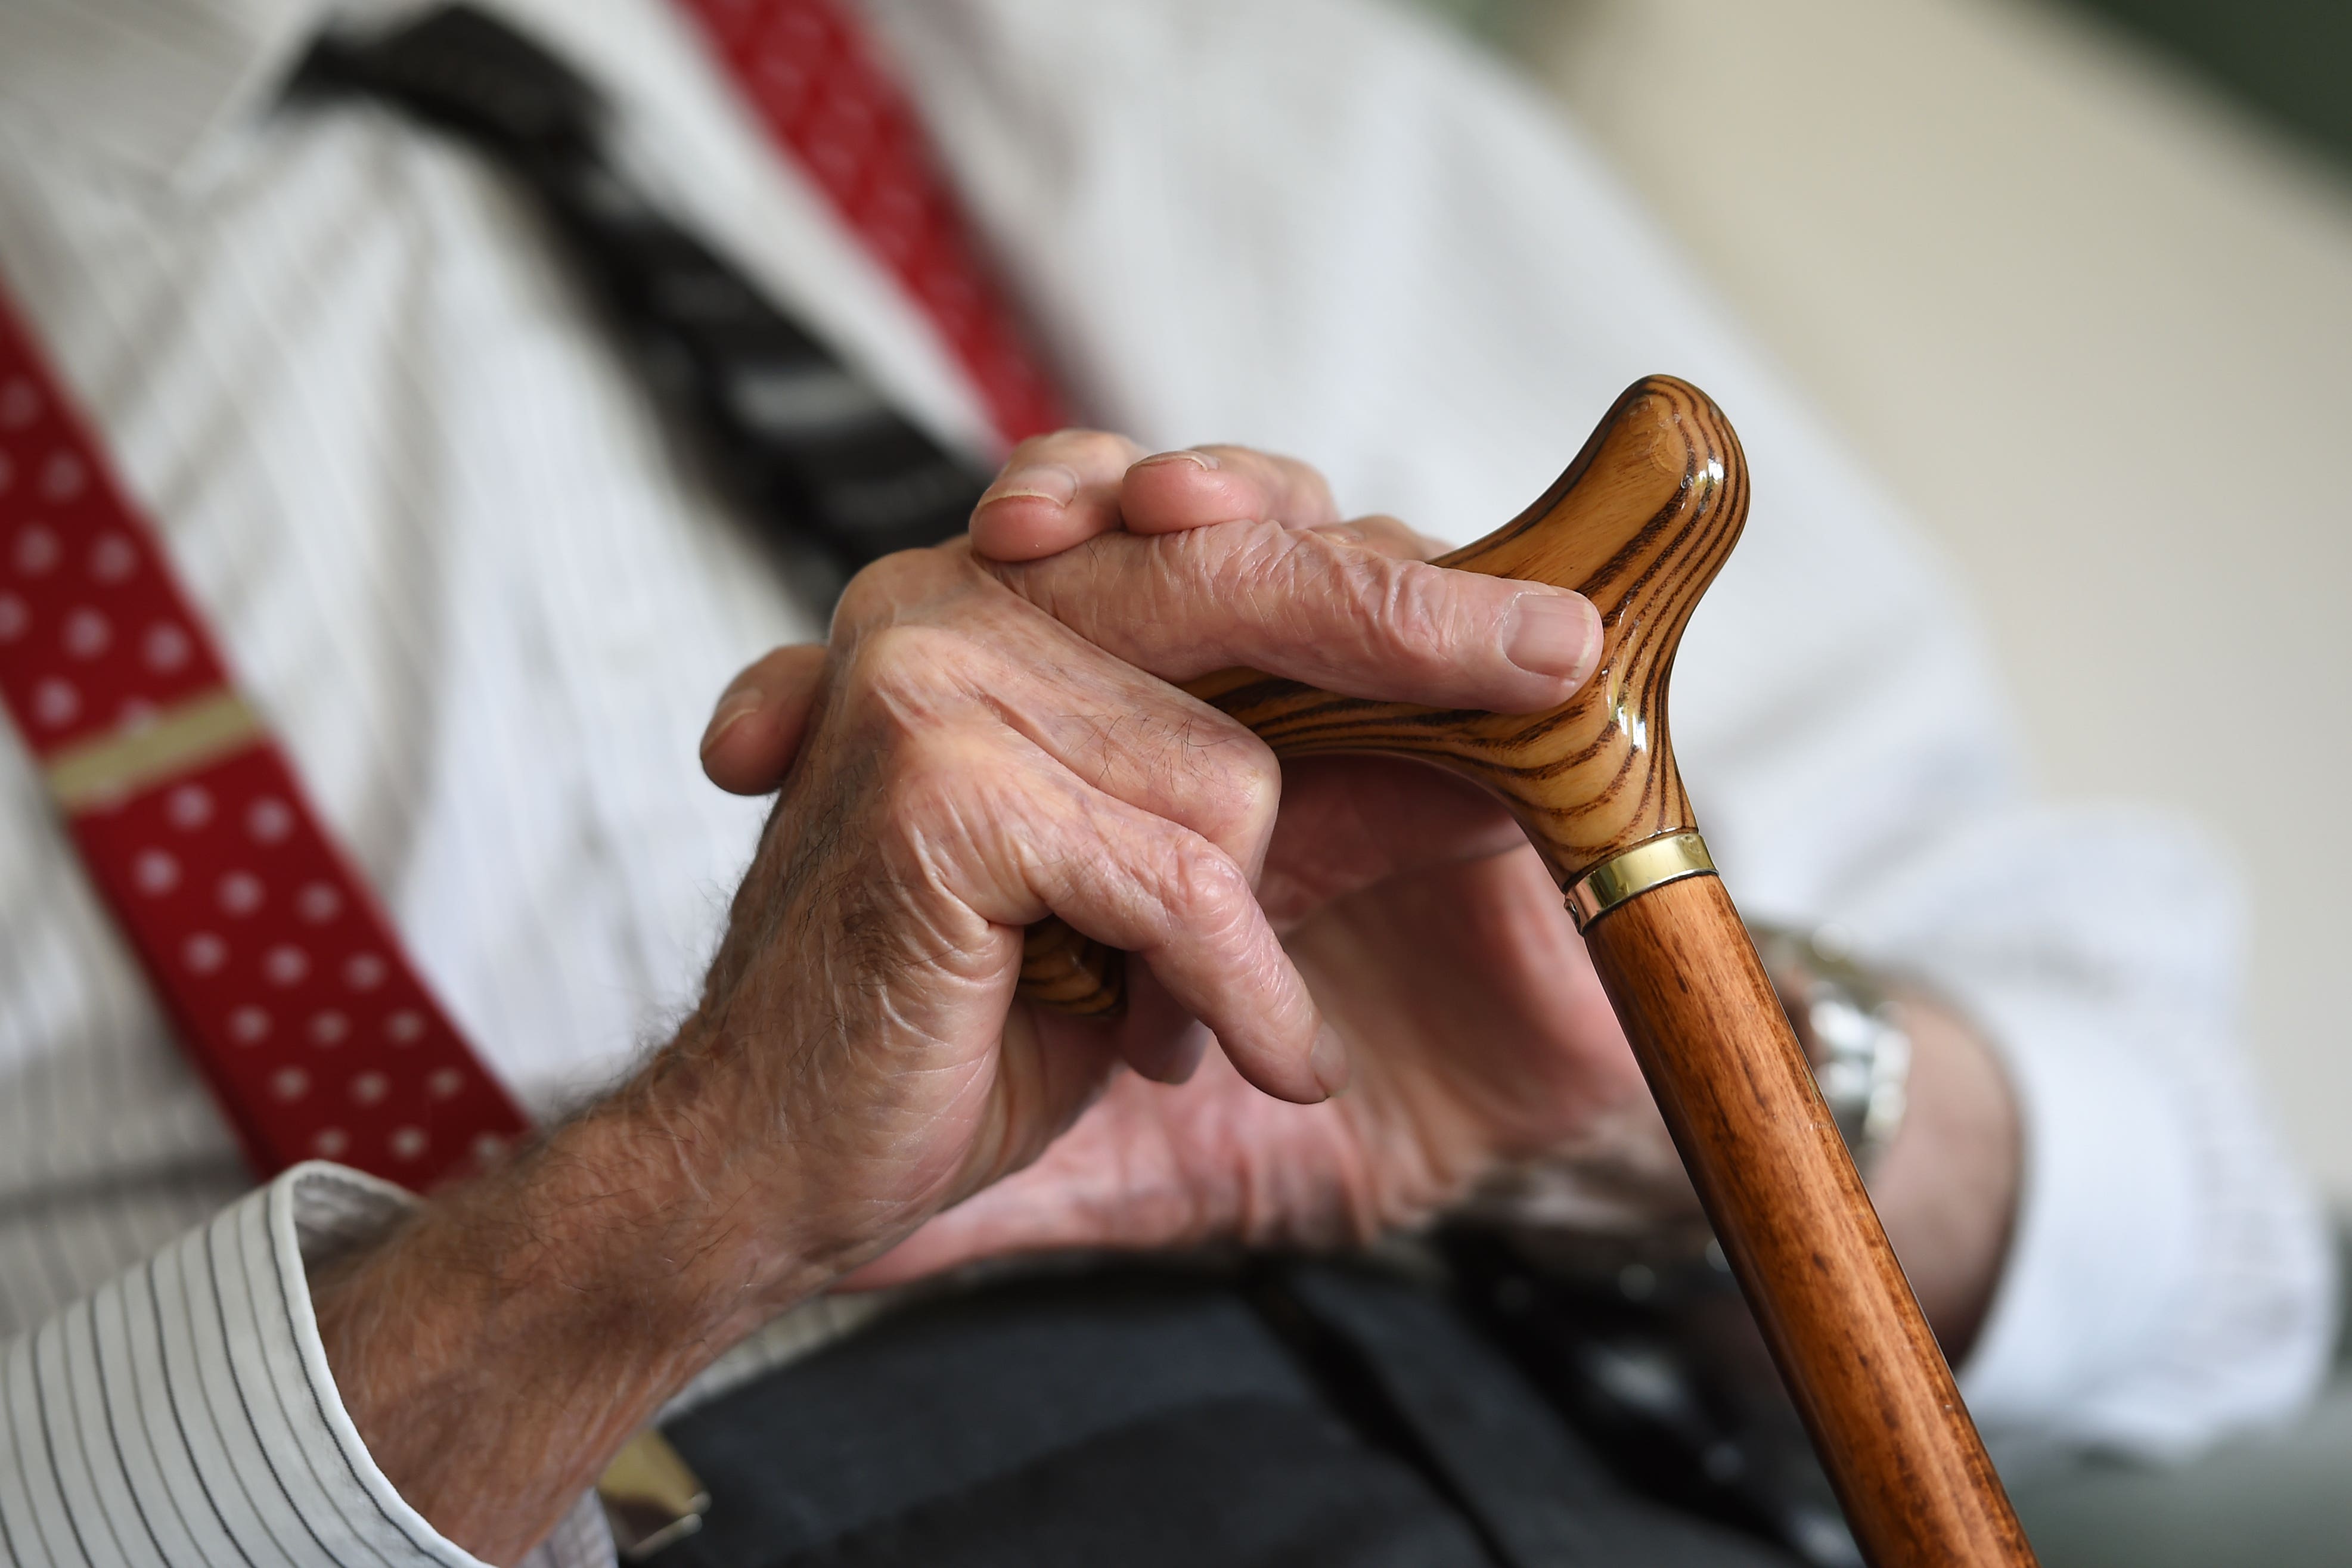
point(1355, 595)
point(923, 789)
point(908, 683)
point(904, 660)
point(888, 590)
point(1414, 615)
point(1245, 558)
point(1203, 889)
point(921, 777)
point(1239, 780)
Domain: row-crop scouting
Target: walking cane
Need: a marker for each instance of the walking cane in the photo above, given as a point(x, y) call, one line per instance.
point(1640, 524)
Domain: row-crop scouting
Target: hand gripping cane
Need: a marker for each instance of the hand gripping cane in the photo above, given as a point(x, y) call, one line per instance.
point(1640, 524)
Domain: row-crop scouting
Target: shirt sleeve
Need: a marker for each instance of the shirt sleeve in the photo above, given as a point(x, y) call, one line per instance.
point(2169, 1277)
point(184, 1416)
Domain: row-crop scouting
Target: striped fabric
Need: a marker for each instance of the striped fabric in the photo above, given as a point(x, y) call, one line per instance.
point(147, 83)
point(286, 984)
point(182, 1414)
point(410, 542)
point(453, 561)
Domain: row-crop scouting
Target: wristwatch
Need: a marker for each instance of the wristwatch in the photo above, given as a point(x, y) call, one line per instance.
point(1844, 1017)
point(1849, 1028)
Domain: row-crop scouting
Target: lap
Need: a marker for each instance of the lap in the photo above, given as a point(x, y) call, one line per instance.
point(1311, 1415)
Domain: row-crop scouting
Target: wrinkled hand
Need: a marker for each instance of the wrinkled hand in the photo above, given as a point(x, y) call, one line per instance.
point(1410, 914)
point(984, 743)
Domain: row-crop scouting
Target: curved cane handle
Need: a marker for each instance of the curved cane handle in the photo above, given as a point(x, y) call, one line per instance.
point(1640, 524)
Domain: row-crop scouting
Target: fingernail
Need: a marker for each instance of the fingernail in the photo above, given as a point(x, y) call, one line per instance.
point(1197, 459)
point(734, 709)
point(1556, 634)
point(1329, 1062)
point(1043, 482)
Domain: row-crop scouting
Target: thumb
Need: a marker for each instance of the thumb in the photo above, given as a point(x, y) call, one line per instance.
point(756, 729)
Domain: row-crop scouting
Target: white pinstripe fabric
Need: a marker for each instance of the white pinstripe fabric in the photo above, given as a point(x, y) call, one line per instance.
point(182, 1414)
point(450, 555)
point(137, 60)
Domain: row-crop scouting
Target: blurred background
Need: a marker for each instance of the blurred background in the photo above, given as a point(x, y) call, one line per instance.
point(2075, 276)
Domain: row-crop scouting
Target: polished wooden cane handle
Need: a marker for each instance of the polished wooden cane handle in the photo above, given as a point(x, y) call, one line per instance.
point(1640, 524)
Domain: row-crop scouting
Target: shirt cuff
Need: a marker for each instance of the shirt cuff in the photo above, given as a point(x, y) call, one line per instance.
point(2103, 1240)
point(184, 1414)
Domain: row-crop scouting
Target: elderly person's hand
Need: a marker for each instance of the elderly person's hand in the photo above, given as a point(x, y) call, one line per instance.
point(1482, 1048)
point(1427, 930)
point(981, 745)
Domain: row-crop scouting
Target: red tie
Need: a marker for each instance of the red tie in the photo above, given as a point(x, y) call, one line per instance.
point(278, 969)
point(279, 972)
point(814, 80)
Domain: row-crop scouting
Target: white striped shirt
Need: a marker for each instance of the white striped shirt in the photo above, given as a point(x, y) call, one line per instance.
point(438, 529)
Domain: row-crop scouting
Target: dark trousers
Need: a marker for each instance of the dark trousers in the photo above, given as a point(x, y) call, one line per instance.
point(1304, 1414)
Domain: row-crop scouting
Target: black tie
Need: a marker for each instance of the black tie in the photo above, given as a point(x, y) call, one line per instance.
point(814, 454)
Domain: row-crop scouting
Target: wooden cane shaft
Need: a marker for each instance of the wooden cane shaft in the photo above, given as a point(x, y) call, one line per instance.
point(1799, 1232)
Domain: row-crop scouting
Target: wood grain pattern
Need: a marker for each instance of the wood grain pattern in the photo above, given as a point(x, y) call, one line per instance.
point(1071, 974)
point(1640, 523)
point(1797, 1227)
